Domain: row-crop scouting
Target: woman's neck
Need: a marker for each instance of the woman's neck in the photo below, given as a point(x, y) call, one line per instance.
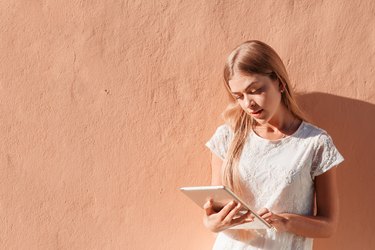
point(279, 126)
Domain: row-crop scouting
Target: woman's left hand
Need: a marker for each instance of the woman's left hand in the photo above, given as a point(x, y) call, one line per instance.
point(278, 221)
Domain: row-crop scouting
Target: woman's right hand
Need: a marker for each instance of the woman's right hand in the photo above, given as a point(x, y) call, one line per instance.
point(219, 221)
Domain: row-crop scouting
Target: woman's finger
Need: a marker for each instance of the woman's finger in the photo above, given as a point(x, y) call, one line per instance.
point(226, 209)
point(232, 213)
point(208, 208)
point(266, 215)
point(262, 211)
point(250, 217)
point(242, 218)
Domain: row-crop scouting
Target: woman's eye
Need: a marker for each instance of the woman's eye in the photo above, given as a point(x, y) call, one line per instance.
point(250, 92)
point(255, 91)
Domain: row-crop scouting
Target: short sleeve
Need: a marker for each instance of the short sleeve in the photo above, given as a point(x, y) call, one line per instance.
point(219, 142)
point(326, 156)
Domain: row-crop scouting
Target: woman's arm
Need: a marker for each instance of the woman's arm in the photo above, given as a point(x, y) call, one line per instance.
point(324, 224)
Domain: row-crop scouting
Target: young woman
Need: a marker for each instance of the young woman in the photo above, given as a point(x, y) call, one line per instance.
point(272, 157)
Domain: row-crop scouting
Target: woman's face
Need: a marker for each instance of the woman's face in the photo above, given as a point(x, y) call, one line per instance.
point(258, 95)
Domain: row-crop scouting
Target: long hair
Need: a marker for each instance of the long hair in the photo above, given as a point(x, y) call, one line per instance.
point(251, 57)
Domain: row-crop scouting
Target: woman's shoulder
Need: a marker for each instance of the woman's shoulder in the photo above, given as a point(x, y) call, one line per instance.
point(314, 132)
point(312, 128)
point(224, 129)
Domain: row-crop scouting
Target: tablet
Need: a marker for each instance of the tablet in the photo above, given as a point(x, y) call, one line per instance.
point(221, 195)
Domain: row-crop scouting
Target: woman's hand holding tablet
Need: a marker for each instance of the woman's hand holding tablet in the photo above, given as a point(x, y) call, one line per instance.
point(226, 218)
point(224, 209)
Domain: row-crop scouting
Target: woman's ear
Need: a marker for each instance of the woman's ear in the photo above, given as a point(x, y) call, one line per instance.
point(281, 86)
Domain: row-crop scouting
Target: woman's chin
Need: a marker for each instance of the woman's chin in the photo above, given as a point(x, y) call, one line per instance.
point(261, 120)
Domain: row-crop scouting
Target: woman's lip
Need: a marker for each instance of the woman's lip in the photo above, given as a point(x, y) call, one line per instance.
point(256, 112)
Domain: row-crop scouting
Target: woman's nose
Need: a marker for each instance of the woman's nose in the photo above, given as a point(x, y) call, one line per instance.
point(249, 103)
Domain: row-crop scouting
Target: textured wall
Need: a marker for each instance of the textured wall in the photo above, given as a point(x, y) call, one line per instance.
point(106, 105)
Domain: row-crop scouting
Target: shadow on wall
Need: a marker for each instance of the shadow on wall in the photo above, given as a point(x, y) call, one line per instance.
point(351, 125)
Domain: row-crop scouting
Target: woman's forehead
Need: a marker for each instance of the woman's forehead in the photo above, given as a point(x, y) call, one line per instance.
point(240, 82)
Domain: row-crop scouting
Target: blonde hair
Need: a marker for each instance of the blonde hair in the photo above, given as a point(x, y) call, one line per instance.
point(248, 58)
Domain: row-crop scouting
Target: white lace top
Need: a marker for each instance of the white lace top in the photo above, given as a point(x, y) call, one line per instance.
point(278, 175)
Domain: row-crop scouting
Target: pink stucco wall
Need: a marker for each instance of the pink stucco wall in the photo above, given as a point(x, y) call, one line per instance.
point(106, 105)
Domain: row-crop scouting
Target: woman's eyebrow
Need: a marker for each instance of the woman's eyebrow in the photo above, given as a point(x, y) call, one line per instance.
point(248, 86)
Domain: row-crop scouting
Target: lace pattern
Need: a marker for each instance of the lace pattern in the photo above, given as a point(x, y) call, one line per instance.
point(219, 142)
point(326, 156)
